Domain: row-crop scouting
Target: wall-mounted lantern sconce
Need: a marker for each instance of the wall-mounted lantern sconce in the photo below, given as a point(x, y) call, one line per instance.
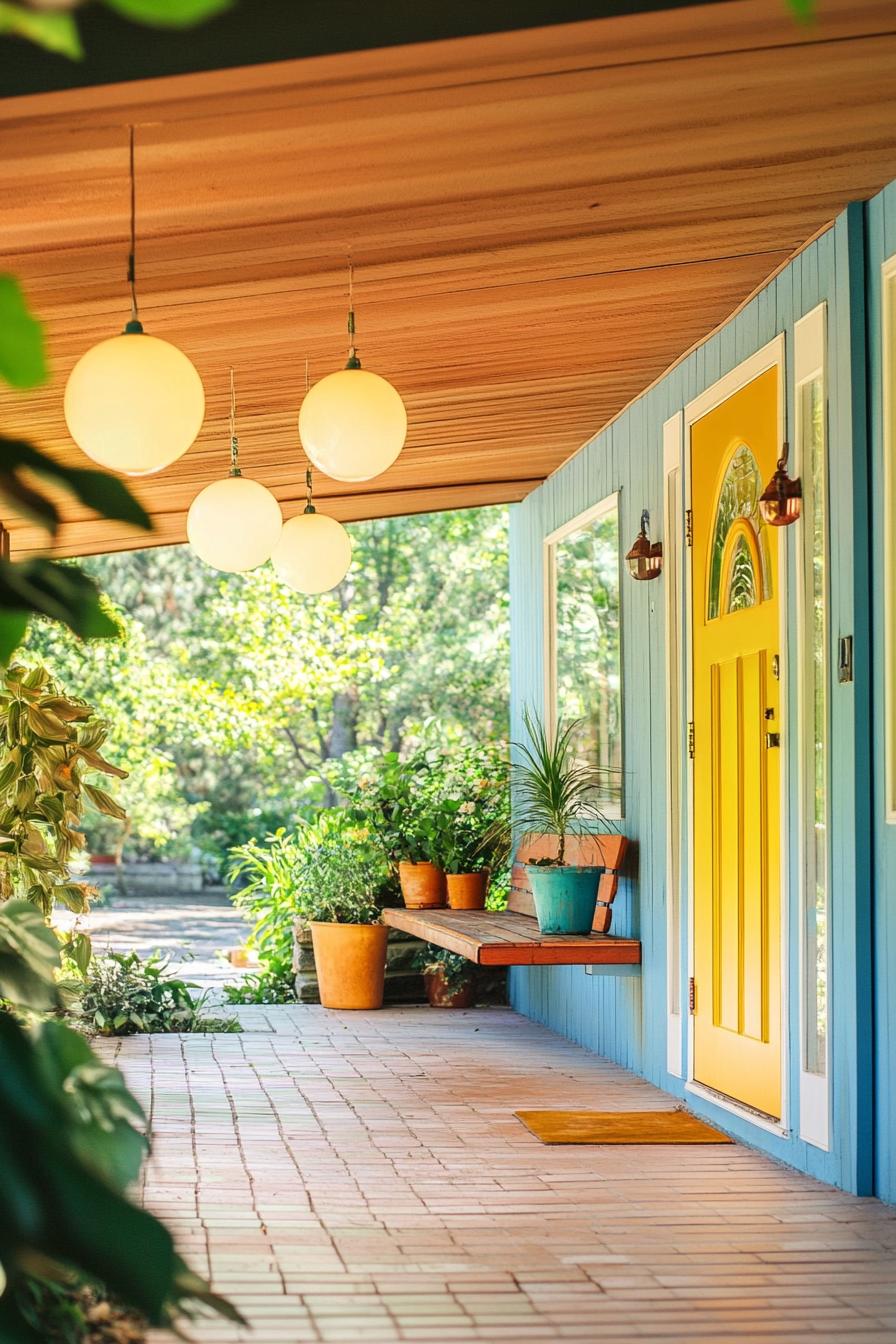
point(781, 502)
point(645, 559)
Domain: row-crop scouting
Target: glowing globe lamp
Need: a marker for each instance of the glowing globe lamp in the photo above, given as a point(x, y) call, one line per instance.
point(134, 403)
point(234, 524)
point(313, 554)
point(353, 424)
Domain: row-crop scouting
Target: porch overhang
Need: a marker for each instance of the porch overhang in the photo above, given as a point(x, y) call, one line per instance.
point(541, 222)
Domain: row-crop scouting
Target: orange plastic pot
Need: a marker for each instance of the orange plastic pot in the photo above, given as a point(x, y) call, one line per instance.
point(466, 891)
point(351, 964)
point(440, 996)
point(422, 885)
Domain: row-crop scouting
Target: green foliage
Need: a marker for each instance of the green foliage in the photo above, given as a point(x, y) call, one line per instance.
point(57, 31)
point(229, 739)
point(29, 953)
point(169, 13)
point(457, 972)
point(22, 359)
point(268, 891)
point(49, 29)
point(97, 490)
point(554, 791)
point(68, 1148)
point(342, 872)
point(51, 742)
point(399, 801)
point(71, 1312)
point(123, 994)
point(476, 799)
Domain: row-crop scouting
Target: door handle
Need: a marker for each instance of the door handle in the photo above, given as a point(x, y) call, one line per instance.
point(773, 739)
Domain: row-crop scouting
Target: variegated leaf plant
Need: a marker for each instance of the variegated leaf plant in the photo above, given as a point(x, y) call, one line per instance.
point(49, 744)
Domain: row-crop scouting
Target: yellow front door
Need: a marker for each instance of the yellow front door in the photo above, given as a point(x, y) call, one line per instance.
point(737, 750)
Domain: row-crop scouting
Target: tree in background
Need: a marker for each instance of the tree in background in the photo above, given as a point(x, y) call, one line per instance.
point(231, 692)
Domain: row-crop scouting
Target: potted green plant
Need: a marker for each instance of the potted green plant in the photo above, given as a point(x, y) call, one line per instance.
point(397, 800)
point(477, 837)
point(450, 979)
point(340, 875)
point(553, 794)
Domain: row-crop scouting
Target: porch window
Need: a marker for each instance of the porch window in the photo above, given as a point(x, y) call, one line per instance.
point(584, 678)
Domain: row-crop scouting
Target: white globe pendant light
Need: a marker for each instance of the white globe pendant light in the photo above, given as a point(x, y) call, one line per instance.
point(134, 403)
point(314, 552)
point(353, 423)
point(233, 524)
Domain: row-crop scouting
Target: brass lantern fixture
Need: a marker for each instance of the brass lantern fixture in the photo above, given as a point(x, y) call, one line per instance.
point(781, 502)
point(645, 559)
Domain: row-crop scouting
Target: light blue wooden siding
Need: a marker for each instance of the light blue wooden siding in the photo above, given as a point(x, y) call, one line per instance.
point(882, 246)
point(626, 1019)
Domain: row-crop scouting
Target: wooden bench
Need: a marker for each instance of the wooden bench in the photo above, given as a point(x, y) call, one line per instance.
point(511, 937)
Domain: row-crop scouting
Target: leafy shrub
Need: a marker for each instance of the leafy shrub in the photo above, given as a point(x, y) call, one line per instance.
point(70, 1144)
point(342, 872)
point(123, 994)
point(457, 972)
point(268, 892)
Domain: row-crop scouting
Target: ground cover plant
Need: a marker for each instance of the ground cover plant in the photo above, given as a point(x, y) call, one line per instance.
point(122, 994)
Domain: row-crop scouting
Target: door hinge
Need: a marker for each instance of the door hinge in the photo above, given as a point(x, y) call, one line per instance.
point(689, 527)
point(691, 739)
point(692, 995)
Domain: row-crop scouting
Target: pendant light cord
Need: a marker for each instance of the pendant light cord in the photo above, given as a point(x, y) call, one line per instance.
point(309, 507)
point(132, 254)
point(353, 360)
point(234, 441)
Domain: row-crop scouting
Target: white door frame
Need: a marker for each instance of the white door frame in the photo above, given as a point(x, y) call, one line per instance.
point(770, 356)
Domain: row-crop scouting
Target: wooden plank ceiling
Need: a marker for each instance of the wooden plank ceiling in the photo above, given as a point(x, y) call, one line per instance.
point(541, 222)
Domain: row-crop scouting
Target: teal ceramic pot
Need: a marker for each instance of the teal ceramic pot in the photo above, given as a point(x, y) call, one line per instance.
point(564, 897)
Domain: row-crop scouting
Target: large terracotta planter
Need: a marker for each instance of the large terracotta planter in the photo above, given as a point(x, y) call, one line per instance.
point(440, 996)
point(351, 964)
point(422, 885)
point(466, 891)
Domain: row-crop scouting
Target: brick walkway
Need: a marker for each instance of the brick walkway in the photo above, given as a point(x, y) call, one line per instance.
point(360, 1177)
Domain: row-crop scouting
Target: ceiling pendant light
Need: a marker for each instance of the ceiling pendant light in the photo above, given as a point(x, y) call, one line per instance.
point(233, 524)
point(134, 403)
point(353, 423)
point(314, 552)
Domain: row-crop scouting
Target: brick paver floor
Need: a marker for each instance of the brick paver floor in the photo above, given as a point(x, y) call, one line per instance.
point(360, 1177)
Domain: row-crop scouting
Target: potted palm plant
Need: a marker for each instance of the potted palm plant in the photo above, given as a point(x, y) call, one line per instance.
point(555, 794)
point(340, 876)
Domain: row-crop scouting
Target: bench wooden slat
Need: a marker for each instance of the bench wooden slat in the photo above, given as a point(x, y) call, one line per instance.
point(499, 939)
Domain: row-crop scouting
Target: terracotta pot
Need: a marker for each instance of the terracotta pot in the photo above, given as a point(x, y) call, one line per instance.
point(351, 964)
point(466, 891)
point(441, 997)
point(422, 885)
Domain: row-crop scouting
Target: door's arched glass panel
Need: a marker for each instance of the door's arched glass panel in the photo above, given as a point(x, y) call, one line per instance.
point(741, 588)
point(738, 499)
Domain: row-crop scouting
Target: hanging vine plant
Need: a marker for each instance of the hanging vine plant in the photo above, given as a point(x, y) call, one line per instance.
point(49, 743)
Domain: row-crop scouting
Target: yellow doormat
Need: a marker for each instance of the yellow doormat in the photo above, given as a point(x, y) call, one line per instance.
point(619, 1127)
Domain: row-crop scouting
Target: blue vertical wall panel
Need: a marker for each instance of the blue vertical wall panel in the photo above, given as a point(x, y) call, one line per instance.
point(625, 1018)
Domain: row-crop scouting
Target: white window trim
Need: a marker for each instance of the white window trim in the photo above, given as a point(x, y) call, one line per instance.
point(888, 357)
point(770, 356)
point(673, 549)
point(591, 515)
point(809, 362)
